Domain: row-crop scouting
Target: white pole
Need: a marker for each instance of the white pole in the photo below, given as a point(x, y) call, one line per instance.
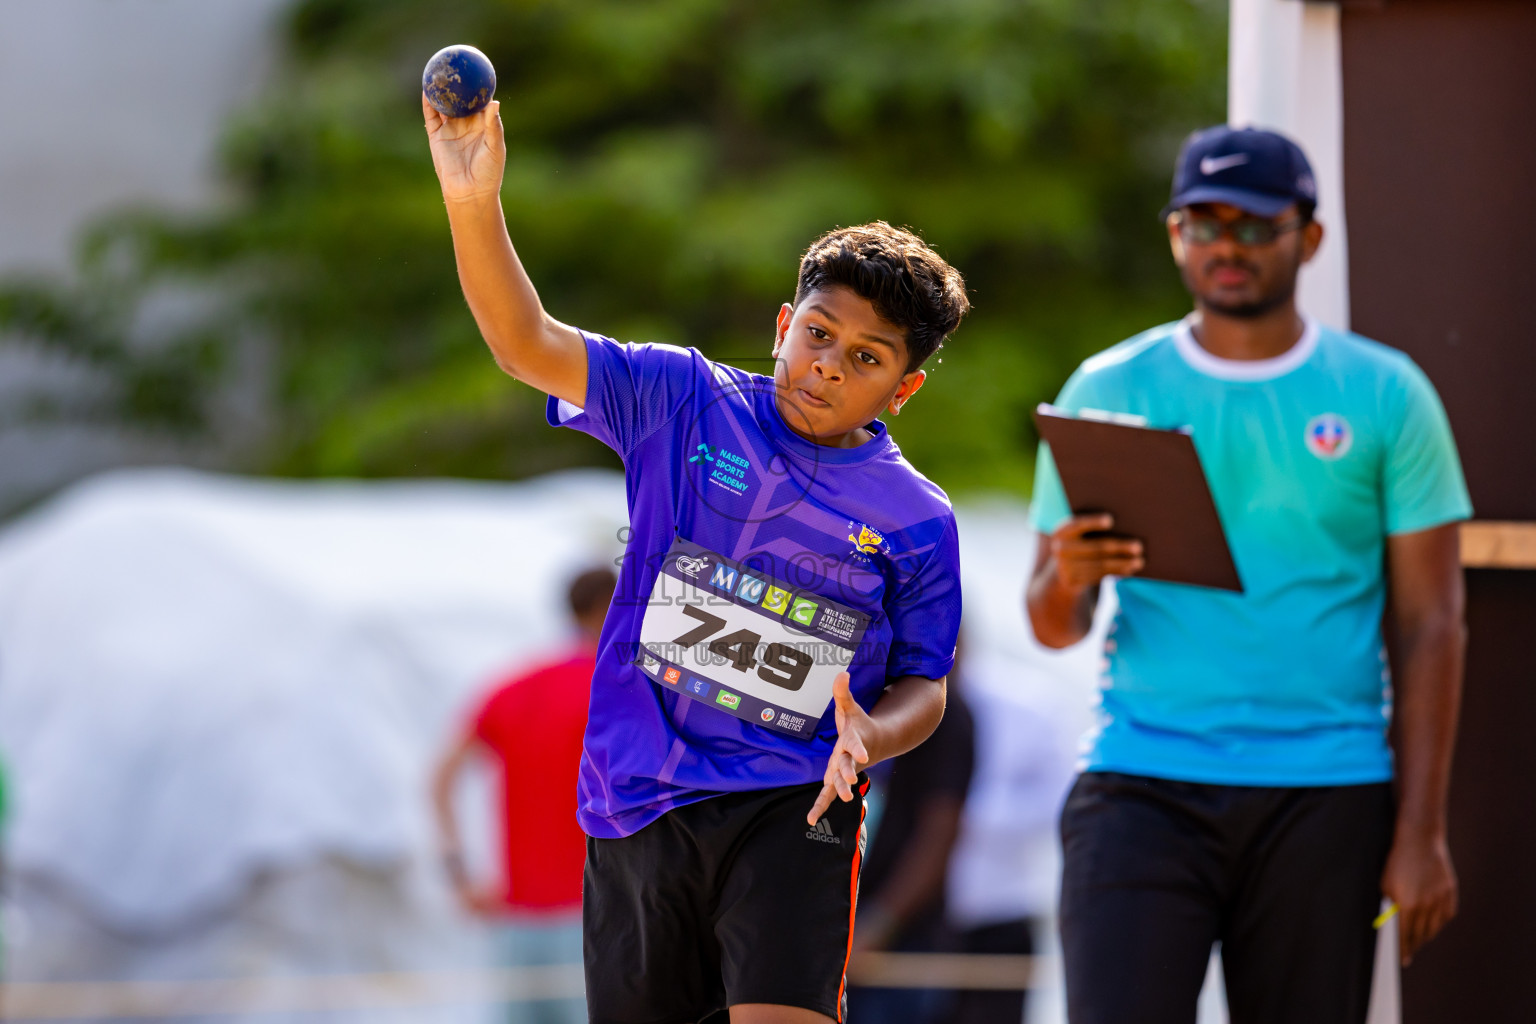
point(1284, 72)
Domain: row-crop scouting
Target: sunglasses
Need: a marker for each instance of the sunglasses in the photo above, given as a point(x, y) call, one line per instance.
point(1199, 230)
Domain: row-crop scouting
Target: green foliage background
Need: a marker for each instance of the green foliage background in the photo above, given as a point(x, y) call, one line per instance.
point(668, 161)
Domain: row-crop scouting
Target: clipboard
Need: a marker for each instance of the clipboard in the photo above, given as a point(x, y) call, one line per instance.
point(1151, 481)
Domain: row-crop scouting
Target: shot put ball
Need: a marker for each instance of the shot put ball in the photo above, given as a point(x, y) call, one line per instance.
point(458, 81)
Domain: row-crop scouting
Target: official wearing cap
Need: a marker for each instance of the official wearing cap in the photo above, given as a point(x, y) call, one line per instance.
point(1240, 786)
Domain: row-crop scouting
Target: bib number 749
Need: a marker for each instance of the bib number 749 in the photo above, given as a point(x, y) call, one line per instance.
point(779, 664)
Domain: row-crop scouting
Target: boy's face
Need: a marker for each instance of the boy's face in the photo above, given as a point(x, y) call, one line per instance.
point(839, 366)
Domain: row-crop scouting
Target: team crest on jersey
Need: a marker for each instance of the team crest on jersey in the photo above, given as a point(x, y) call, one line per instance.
point(867, 541)
point(1329, 436)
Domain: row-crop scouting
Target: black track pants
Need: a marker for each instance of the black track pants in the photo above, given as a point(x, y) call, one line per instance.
point(1286, 879)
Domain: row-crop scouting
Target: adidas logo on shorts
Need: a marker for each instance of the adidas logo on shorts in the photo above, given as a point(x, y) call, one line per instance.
point(823, 833)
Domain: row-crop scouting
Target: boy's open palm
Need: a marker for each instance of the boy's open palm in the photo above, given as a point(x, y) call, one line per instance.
point(855, 732)
point(469, 153)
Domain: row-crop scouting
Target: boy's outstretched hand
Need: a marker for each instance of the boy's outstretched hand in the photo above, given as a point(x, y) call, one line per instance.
point(855, 734)
point(469, 153)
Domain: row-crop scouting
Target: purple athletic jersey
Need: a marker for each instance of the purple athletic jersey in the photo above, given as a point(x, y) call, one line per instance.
point(758, 566)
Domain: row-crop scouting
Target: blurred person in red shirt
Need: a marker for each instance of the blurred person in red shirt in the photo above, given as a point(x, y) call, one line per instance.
point(532, 725)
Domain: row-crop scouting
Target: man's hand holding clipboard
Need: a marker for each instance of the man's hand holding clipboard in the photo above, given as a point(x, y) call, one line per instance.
point(1141, 507)
point(1069, 566)
point(1086, 549)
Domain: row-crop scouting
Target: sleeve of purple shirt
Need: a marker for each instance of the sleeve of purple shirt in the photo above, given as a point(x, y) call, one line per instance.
point(925, 616)
point(632, 390)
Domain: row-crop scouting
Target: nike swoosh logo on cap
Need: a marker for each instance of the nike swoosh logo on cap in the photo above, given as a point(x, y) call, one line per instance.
point(1213, 164)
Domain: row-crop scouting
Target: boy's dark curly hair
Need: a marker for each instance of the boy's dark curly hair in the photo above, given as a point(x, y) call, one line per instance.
point(909, 284)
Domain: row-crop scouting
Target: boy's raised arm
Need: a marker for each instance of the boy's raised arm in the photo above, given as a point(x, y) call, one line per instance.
point(469, 154)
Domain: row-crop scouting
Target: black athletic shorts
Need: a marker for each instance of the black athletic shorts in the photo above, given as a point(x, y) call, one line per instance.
point(734, 899)
point(1286, 879)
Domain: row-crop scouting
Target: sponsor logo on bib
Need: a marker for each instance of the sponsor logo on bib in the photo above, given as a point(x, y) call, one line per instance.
point(728, 699)
point(1329, 436)
point(776, 601)
point(724, 578)
point(750, 589)
point(692, 566)
point(792, 722)
point(803, 611)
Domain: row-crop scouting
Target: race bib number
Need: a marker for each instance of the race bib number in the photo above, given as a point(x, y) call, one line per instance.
point(745, 643)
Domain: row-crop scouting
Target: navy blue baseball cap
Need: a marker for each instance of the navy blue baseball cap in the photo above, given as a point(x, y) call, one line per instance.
point(1255, 170)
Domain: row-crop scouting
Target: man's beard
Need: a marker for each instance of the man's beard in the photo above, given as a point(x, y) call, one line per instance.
point(1281, 293)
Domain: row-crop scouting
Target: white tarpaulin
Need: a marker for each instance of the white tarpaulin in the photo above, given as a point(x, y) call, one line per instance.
point(200, 675)
point(219, 704)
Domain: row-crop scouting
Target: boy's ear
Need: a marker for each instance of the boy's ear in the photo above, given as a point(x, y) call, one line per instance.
point(906, 389)
point(786, 314)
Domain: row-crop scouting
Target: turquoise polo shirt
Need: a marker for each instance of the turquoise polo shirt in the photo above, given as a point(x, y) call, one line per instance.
point(1314, 458)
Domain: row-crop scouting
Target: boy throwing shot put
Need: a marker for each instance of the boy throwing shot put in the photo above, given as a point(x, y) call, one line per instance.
point(786, 611)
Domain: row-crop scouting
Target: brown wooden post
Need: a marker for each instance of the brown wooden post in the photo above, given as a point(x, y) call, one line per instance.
point(1440, 171)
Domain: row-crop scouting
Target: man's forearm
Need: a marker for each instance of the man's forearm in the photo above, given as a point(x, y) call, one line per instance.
point(905, 715)
point(1428, 704)
point(1060, 617)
